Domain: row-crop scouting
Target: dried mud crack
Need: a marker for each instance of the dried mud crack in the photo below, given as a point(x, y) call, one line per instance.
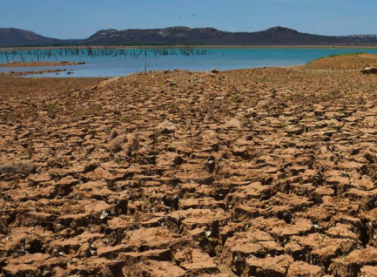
point(265, 172)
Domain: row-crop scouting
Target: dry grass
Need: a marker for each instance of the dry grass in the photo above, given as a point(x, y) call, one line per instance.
point(348, 61)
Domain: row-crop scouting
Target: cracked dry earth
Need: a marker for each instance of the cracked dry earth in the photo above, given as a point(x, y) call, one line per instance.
point(264, 172)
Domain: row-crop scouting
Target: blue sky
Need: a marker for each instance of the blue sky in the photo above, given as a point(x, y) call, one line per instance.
point(81, 18)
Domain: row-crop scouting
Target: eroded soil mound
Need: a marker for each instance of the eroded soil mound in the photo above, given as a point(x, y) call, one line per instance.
point(265, 172)
point(348, 61)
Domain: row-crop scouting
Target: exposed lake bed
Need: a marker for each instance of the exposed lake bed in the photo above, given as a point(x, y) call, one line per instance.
point(188, 139)
point(251, 172)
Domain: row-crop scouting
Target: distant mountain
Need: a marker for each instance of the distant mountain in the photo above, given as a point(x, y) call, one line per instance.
point(277, 36)
point(18, 37)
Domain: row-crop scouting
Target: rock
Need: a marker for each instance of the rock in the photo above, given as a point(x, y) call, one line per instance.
point(215, 71)
point(128, 143)
point(171, 82)
point(167, 126)
point(23, 168)
point(263, 104)
point(112, 135)
point(132, 144)
point(369, 70)
point(233, 123)
point(116, 144)
point(108, 82)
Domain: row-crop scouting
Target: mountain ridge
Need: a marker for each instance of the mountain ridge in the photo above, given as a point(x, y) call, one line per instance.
point(19, 37)
point(275, 36)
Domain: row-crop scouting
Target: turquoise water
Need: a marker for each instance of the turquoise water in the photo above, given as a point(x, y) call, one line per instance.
point(110, 62)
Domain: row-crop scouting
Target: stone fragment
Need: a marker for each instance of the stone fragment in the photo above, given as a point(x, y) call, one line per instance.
point(22, 168)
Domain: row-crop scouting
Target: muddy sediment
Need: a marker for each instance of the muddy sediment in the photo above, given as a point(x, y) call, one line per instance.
point(35, 72)
point(39, 64)
point(263, 172)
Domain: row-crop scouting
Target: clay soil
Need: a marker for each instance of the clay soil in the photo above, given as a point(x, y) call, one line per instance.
point(263, 172)
point(35, 72)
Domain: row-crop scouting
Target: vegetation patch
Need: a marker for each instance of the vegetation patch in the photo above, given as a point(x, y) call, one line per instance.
point(344, 61)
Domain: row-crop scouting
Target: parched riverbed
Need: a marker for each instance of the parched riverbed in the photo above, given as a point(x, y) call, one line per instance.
point(260, 172)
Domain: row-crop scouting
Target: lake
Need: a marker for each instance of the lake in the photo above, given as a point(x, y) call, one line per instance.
point(108, 62)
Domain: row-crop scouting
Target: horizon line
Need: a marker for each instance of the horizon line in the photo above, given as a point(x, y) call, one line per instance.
point(192, 28)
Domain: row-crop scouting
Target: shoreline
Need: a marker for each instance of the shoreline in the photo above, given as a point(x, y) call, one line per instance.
point(197, 46)
point(40, 64)
point(360, 61)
